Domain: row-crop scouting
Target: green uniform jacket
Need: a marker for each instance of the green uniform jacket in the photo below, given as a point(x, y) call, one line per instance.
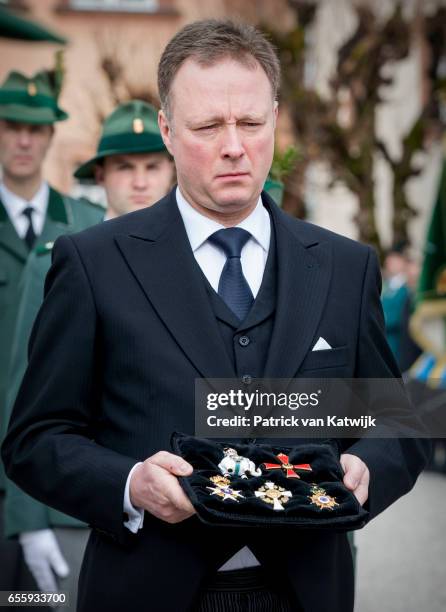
point(22, 277)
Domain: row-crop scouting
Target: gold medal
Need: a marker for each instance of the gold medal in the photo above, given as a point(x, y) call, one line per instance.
point(321, 499)
point(274, 495)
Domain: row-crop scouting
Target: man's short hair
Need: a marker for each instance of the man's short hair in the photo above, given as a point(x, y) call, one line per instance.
point(211, 40)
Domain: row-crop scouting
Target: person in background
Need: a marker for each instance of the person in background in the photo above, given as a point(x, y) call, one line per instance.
point(394, 295)
point(135, 169)
point(32, 213)
point(409, 349)
point(426, 379)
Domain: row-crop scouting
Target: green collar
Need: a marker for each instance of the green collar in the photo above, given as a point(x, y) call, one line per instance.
point(56, 207)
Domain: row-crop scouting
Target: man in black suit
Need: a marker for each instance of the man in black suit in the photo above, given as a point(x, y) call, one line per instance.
point(213, 281)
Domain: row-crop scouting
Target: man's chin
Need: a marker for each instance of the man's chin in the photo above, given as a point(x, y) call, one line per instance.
point(22, 172)
point(138, 205)
point(235, 199)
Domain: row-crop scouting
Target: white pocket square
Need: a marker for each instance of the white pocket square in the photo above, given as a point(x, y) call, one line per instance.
point(321, 345)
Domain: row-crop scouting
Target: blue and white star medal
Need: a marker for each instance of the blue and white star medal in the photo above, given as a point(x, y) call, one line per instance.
point(223, 489)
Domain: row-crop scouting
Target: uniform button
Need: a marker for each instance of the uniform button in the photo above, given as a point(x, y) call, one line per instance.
point(244, 340)
point(247, 379)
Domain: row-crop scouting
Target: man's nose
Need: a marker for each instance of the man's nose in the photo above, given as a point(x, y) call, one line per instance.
point(24, 138)
point(232, 145)
point(140, 178)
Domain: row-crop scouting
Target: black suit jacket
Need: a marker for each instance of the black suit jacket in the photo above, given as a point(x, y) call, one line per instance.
point(125, 328)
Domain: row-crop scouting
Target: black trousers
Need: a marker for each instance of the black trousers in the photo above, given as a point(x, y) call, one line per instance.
point(245, 590)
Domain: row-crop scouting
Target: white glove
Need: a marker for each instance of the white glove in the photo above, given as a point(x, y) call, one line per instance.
point(43, 557)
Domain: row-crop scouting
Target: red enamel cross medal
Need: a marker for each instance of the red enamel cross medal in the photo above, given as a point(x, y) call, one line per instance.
point(287, 466)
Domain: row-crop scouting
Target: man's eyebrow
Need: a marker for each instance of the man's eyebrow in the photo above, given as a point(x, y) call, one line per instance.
point(205, 121)
point(118, 160)
point(219, 119)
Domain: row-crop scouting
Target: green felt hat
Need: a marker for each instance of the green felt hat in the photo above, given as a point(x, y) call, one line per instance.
point(29, 99)
point(131, 128)
point(13, 26)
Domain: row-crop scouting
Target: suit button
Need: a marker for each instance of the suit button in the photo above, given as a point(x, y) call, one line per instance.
point(246, 379)
point(244, 341)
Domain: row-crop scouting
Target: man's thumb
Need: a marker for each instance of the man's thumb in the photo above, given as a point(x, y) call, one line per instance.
point(172, 463)
point(181, 468)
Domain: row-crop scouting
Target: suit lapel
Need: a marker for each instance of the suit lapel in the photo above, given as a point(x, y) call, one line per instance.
point(9, 239)
point(161, 259)
point(304, 271)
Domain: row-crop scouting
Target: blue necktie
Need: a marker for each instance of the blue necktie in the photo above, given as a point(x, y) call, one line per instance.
point(233, 287)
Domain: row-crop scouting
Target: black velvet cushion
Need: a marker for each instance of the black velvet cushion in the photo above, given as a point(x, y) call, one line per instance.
point(318, 498)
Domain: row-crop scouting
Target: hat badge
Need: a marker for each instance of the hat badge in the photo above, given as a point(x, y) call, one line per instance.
point(32, 89)
point(138, 125)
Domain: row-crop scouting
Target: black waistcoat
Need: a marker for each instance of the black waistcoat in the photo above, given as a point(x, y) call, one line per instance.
point(247, 343)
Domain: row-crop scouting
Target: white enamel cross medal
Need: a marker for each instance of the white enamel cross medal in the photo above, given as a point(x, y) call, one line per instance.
point(272, 494)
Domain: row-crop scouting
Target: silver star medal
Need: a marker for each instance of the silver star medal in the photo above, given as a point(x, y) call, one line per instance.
point(222, 489)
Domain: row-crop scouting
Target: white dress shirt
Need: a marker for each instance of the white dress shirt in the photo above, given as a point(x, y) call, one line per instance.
point(211, 260)
point(15, 205)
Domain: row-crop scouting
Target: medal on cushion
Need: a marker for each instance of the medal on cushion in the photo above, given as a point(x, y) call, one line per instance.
point(287, 467)
point(321, 499)
point(234, 464)
point(222, 489)
point(274, 495)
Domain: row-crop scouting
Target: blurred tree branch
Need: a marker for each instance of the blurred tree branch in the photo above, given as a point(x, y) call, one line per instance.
point(342, 130)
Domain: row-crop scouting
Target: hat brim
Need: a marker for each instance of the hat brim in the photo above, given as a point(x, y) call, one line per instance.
point(34, 116)
point(86, 170)
point(12, 26)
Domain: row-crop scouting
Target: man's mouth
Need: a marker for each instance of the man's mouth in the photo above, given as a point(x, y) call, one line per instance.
point(232, 175)
point(140, 199)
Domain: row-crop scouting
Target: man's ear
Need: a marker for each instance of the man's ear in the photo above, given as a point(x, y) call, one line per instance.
point(275, 111)
point(165, 129)
point(99, 174)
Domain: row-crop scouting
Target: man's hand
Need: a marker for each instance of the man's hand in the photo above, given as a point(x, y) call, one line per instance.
point(44, 558)
point(154, 486)
point(356, 477)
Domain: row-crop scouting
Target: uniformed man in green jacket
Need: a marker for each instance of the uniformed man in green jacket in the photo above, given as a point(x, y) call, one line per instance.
point(31, 214)
point(135, 170)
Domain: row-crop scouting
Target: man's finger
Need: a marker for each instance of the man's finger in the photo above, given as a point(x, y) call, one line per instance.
point(362, 492)
point(172, 463)
point(354, 470)
point(356, 477)
point(180, 499)
point(44, 577)
point(58, 563)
